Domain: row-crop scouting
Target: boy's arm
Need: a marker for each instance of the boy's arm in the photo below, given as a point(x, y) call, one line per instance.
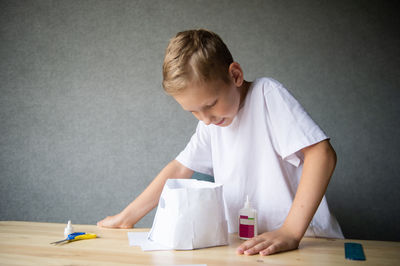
point(149, 198)
point(319, 163)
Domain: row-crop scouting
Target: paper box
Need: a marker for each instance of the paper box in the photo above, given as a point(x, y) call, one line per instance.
point(190, 215)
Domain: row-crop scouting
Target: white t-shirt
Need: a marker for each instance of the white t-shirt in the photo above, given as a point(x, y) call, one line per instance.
point(259, 155)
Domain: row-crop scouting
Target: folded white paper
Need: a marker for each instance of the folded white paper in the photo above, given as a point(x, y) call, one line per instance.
point(190, 215)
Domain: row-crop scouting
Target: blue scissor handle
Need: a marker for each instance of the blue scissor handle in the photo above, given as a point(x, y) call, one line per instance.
point(73, 235)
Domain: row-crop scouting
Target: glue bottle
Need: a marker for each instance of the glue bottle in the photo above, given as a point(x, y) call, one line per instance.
point(68, 229)
point(247, 221)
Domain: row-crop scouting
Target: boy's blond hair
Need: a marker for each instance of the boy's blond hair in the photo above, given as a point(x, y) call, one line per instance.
point(195, 56)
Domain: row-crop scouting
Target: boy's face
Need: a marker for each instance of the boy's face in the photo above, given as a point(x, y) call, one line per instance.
point(213, 103)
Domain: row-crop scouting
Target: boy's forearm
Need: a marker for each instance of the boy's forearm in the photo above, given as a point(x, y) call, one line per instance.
point(149, 198)
point(319, 163)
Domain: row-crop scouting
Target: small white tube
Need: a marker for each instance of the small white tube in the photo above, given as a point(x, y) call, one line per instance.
point(68, 229)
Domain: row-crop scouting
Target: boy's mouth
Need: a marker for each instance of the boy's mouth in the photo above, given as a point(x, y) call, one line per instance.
point(220, 122)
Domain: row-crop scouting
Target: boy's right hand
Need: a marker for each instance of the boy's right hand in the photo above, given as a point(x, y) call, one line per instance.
point(116, 221)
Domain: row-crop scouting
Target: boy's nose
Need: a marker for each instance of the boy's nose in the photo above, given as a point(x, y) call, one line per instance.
point(206, 118)
point(207, 121)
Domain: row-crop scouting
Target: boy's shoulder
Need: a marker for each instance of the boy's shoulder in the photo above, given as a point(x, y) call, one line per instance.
point(266, 85)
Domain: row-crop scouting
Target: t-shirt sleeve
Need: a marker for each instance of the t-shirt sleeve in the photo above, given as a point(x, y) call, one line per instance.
point(197, 153)
point(292, 128)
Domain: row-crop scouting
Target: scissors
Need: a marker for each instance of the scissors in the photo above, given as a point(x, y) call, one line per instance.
point(76, 236)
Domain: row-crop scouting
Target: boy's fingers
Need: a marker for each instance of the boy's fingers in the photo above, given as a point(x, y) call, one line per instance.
point(274, 248)
point(278, 247)
point(257, 248)
point(104, 223)
point(248, 244)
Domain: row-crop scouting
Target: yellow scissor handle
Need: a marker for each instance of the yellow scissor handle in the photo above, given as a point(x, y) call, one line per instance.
point(85, 236)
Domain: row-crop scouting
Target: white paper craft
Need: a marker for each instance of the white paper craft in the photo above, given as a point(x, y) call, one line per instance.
point(190, 215)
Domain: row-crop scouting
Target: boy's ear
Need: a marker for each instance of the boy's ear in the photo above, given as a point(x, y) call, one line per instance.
point(236, 73)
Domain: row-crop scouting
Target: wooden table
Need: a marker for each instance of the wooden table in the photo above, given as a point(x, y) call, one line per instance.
point(27, 243)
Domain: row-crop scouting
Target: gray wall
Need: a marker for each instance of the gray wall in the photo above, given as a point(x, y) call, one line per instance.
point(85, 124)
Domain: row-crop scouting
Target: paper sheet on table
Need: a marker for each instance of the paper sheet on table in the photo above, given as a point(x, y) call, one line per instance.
point(141, 239)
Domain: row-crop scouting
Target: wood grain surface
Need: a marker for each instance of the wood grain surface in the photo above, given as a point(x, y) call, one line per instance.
point(28, 243)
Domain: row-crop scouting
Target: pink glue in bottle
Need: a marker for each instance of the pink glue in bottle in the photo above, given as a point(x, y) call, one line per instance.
point(247, 221)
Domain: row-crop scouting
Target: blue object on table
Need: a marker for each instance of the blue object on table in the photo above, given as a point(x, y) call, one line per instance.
point(69, 237)
point(354, 251)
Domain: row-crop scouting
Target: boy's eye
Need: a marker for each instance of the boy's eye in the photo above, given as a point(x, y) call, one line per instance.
point(205, 107)
point(211, 105)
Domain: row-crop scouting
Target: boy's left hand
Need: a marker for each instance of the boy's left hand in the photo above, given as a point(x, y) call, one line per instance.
point(269, 243)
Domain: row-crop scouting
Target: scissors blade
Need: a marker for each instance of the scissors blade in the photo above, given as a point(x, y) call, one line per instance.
point(58, 242)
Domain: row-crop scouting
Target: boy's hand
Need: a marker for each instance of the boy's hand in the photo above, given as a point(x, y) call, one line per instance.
point(269, 243)
point(116, 221)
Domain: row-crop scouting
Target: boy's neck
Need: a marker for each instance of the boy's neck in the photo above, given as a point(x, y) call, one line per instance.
point(243, 92)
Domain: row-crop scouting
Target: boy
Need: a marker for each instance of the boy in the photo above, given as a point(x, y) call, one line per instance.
point(254, 138)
